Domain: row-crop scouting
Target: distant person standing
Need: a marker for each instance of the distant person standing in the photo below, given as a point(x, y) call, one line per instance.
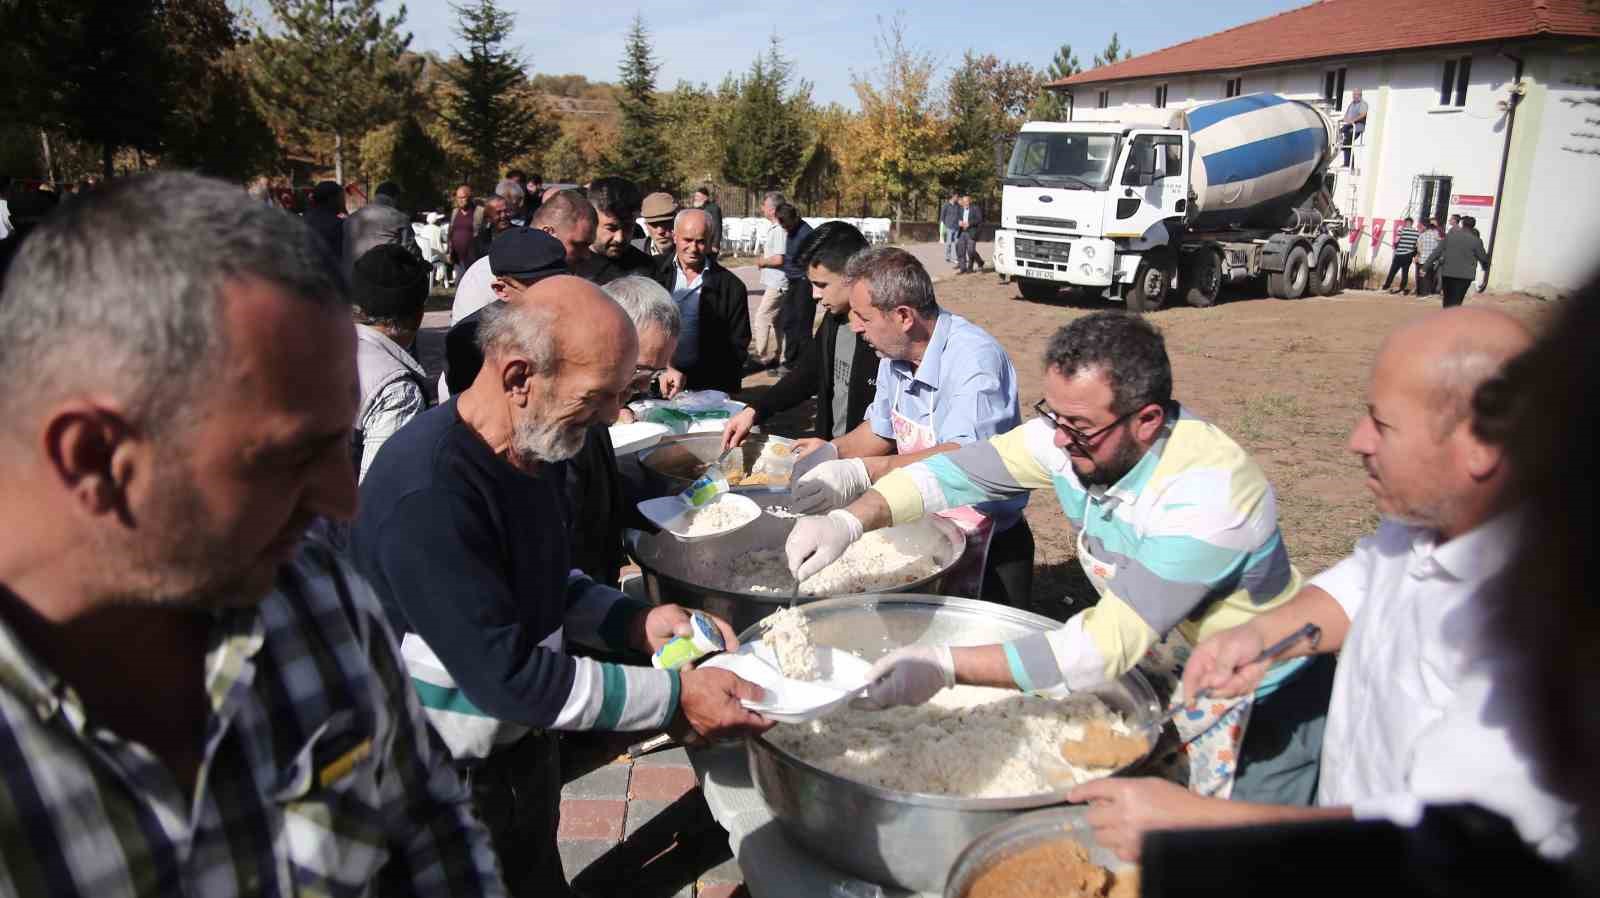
point(703, 201)
point(516, 200)
point(388, 289)
point(799, 310)
point(967, 244)
point(1457, 257)
point(519, 208)
point(1354, 123)
point(465, 220)
point(534, 194)
point(764, 324)
point(612, 253)
point(377, 223)
point(1405, 253)
point(658, 211)
point(950, 226)
point(1427, 241)
point(327, 204)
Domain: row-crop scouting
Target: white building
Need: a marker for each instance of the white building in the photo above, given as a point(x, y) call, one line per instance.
point(1471, 110)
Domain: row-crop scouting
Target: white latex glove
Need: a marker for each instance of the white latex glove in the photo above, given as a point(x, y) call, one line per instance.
point(817, 452)
point(830, 485)
point(816, 541)
point(909, 676)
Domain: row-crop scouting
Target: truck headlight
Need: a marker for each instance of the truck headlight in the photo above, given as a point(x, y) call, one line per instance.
point(1088, 252)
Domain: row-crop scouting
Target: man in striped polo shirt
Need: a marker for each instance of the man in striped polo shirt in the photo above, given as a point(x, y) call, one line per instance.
point(1177, 530)
point(1405, 252)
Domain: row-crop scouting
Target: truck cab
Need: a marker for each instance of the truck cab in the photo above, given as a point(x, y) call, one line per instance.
point(1084, 201)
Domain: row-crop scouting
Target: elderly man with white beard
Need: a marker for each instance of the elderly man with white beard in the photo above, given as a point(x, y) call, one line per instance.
point(462, 533)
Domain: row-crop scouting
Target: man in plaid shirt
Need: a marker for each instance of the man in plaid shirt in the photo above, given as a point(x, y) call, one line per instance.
point(1427, 242)
point(190, 702)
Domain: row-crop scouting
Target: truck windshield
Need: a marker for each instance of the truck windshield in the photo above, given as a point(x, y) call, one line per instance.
point(1078, 160)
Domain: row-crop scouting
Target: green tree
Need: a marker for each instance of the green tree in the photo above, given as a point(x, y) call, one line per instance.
point(899, 143)
point(640, 154)
point(490, 108)
point(418, 166)
point(1049, 107)
point(693, 122)
point(335, 69)
point(225, 134)
point(1114, 52)
point(974, 127)
point(765, 140)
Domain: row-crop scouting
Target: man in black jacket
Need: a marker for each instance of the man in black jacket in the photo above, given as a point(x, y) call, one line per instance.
point(837, 367)
point(616, 205)
point(967, 243)
point(715, 307)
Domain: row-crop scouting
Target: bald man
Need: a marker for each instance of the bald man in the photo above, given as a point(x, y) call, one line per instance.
point(1415, 718)
point(462, 532)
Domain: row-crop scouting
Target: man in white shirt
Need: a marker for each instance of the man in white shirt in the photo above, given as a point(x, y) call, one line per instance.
point(764, 324)
point(1415, 717)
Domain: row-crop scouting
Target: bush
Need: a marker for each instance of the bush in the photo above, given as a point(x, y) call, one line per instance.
point(1359, 276)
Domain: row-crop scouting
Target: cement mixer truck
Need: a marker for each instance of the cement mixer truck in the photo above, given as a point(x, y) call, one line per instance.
point(1225, 192)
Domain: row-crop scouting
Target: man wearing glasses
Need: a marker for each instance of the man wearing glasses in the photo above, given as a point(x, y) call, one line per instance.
point(1177, 531)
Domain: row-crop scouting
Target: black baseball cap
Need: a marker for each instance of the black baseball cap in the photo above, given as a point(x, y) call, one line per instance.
point(389, 282)
point(527, 254)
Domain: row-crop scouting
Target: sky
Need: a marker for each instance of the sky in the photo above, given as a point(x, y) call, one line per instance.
point(700, 42)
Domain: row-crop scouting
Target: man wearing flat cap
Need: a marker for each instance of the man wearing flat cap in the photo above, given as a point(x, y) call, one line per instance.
point(518, 258)
point(658, 211)
point(388, 287)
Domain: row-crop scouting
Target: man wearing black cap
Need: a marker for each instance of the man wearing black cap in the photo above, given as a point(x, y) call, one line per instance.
point(616, 205)
point(518, 258)
point(388, 288)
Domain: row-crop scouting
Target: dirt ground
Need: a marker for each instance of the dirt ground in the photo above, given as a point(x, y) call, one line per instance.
point(1286, 379)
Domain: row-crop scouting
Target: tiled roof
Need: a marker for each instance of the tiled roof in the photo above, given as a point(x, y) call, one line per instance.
point(1354, 27)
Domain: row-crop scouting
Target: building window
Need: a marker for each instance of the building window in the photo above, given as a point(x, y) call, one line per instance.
point(1333, 88)
point(1233, 88)
point(1103, 100)
point(1453, 86)
point(1161, 96)
point(1430, 198)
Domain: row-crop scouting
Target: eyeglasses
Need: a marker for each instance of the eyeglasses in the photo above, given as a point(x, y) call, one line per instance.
point(1082, 440)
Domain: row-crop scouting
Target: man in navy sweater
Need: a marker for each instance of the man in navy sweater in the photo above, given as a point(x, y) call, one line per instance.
point(462, 532)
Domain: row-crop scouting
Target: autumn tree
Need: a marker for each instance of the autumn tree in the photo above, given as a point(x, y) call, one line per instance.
point(900, 142)
point(765, 137)
point(334, 68)
point(640, 154)
point(1049, 107)
point(694, 122)
point(490, 109)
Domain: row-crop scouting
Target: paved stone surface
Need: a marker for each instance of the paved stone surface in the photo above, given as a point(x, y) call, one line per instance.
point(609, 781)
point(667, 757)
point(660, 783)
point(585, 818)
point(640, 812)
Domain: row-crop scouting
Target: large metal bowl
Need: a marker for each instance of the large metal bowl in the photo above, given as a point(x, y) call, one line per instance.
point(904, 838)
point(675, 571)
point(672, 465)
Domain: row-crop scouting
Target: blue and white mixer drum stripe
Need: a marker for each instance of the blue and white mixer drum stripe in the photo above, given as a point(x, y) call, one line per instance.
point(1252, 155)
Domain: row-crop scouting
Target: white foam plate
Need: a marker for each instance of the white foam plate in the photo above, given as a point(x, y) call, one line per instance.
point(671, 513)
point(629, 438)
point(796, 701)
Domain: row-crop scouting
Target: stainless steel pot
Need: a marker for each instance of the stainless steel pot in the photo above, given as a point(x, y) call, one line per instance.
point(673, 464)
point(903, 838)
point(677, 572)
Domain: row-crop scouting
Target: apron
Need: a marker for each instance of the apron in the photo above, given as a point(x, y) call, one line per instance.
point(1209, 736)
point(965, 578)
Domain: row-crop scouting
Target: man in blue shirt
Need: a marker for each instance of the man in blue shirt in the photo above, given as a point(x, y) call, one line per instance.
point(943, 382)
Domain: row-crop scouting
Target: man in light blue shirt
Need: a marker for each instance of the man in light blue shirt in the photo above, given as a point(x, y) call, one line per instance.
point(943, 382)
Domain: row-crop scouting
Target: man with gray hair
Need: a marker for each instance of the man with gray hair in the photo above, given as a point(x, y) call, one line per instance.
point(516, 197)
point(715, 308)
point(192, 382)
point(764, 323)
point(463, 531)
point(376, 223)
point(943, 382)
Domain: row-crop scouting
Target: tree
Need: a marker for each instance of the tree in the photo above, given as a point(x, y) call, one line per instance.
point(225, 133)
point(338, 69)
point(1114, 52)
point(693, 122)
point(765, 138)
point(641, 153)
point(975, 124)
point(490, 108)
point(899, 141)
point(417, 166)
point(1049, 106)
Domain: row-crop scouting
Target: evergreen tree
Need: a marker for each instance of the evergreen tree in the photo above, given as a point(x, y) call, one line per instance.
point(338, 69)
point(1050, 107)
point(766, 138)
point(1114, 52)
point(974, 124)
point(490, 111)
point(640, 154)
point(417, 166)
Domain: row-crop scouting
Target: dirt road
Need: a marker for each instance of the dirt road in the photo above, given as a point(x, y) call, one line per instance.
point(1286, 379)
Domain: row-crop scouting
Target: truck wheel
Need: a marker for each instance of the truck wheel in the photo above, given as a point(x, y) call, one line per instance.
point(1203, 279)
point(1326, 276)
point(1151, 284)
point(1291, 282)
point(1036, 290)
